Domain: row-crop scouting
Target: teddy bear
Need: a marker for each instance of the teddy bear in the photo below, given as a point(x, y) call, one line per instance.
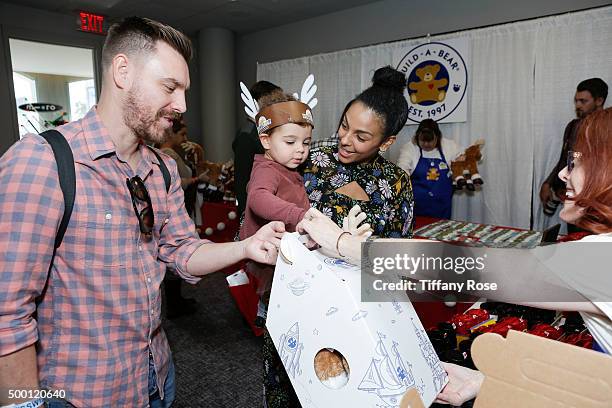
point(331, 368)
point(220, 181)
point(465, 168)
point(428, 88)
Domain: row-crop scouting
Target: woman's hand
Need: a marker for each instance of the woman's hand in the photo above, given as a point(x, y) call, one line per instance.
point(351, 222)
point(463, 385)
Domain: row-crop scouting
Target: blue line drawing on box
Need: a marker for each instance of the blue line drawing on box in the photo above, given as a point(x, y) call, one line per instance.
point(430, 356)
point(388, 376)
point(338, 262)
point(359, 315)
point(298, 286)
point(291, 350)
point(397, 307)
point(421, 387)
point(331, 311)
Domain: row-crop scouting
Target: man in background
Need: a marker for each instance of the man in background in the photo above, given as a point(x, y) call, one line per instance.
point(590, 96)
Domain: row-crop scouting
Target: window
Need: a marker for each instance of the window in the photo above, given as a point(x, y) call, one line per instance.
point(82, 97)
point(25, 92)
point(60, 79)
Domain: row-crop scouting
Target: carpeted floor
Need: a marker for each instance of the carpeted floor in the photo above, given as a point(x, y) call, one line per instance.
point(217, 357)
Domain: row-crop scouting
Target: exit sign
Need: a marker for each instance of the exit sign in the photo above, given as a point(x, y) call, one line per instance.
point(91, 23)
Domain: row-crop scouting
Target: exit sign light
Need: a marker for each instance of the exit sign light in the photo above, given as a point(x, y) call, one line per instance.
point(91, 23)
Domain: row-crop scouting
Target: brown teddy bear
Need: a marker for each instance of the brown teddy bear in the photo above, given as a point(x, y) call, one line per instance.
point(428, 88)
point(331, 368)
point(465, 168)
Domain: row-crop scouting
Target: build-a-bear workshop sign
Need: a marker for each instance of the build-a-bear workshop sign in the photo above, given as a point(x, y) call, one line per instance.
point(437, 80)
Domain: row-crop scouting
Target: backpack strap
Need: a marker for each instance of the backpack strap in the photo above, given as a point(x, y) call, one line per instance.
point(164, 169)
point(67, 179)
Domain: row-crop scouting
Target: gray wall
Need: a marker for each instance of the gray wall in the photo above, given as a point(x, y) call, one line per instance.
point(385, 21)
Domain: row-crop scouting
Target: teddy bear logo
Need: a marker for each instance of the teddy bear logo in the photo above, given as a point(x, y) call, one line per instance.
point(428, 88)
point(433, 174)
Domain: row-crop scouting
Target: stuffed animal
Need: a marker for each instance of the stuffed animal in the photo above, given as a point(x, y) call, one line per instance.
point(331, 368)
point(220, 181)
point(227, 178)
point(465, 168)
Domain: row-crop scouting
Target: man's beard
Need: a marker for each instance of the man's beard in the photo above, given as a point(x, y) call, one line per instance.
point(138, 117)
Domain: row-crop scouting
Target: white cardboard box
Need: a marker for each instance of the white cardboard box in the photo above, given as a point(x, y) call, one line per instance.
point(316, 304)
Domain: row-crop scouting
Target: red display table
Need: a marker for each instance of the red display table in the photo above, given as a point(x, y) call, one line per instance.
point(220, 222)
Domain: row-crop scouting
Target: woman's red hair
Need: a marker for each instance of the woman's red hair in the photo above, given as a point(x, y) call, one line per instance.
point(594, 141)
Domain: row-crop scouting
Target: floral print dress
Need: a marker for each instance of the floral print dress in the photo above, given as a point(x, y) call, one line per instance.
point(390, 205)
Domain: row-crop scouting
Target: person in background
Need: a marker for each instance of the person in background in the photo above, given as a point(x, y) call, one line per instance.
point(173, 147)
point(192, 155)
point(176, 304)
point(590, 96)
point(427, 159)
point(246, 145)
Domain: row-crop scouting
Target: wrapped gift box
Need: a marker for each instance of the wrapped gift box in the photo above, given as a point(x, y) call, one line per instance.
point(316, 304)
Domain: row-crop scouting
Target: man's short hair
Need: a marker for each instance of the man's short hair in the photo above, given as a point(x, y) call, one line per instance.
point(137, 35)
point(263, 88)
point(596, 87)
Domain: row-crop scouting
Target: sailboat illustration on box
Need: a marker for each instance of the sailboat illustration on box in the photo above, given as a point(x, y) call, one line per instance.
point(387, 376)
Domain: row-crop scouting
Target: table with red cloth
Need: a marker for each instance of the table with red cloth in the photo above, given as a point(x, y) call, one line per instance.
point(220, 222)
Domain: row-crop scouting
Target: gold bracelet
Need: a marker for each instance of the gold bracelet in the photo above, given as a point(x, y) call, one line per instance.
point(338, 242)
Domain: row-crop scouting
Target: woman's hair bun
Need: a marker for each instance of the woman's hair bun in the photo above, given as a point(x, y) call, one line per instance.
point(389, 78)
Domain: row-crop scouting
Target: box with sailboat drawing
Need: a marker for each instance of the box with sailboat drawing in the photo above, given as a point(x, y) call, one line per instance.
point(339, 351)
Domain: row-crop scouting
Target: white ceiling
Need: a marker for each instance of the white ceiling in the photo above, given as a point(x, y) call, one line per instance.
point(35, 57)
point(240, 16)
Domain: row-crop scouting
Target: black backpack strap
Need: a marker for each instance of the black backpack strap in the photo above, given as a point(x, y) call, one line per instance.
point(164, 169)
point(67, 178)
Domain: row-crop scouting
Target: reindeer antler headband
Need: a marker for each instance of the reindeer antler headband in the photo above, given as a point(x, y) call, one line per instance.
point(281, 113)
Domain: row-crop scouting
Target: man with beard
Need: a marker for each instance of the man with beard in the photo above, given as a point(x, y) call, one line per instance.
point(88, 327)
point(590, 96)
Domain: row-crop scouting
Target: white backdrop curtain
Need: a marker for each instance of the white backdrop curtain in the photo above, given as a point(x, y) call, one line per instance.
point(522, 81)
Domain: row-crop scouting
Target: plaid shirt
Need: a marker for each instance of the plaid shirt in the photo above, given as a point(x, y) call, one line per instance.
point(99, 316)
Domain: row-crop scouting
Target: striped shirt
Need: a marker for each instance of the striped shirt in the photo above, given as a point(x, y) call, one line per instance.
point(99, 316)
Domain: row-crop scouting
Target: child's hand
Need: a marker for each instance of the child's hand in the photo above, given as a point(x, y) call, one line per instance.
point(351, 223)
